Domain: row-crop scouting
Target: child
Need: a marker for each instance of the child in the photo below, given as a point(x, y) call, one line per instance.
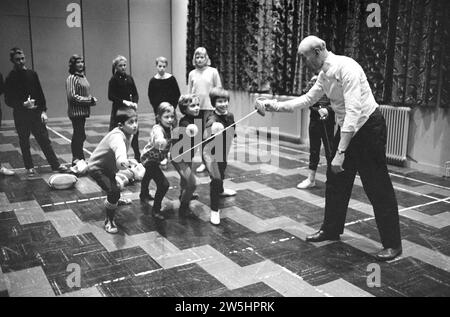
point(163, 87)
point(319, 129)
point(154, 152)
point(215, 152)
point(23, 93)
point(80, 101)
point(189, 126)
point(122, 92)
point(109, 156)
point(201, 80)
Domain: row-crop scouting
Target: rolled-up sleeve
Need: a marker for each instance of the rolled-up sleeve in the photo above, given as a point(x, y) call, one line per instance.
point(310, 98)
point(351, 85)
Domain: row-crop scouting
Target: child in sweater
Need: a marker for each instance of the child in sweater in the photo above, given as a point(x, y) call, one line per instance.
point(154, 152)
point(109, 156)
point(190, 128)
point(216, 151)
point(200, 82)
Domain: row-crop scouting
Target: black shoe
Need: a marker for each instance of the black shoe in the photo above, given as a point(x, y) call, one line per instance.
point(194, 196)
point(146, 198)
point(320, 236)
point(185, 211)
point(388, 254)
point(61, 169)
point(157, 214)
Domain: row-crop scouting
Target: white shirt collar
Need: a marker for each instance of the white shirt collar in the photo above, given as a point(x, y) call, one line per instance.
point(328, 65)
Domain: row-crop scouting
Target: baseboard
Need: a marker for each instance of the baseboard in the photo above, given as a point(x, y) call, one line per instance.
point(426, 168)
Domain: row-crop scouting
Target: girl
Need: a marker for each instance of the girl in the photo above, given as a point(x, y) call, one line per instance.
point(163, 86)
point(80, 101)
point(122, 92)
point(109, 156)
point(189, 126)
point(216, 151)
point(319, 129)
point(154, 152)
point(201, 80)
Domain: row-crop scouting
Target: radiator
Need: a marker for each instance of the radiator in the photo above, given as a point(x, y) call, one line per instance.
point(397, 122)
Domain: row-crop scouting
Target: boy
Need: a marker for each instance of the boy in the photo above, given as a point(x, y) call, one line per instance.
point(23, 93)
point(216, 151)
point(321, 128)
point(109, 156)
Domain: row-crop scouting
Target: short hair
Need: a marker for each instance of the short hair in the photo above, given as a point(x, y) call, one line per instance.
point(116, 61)
point(123, 114)
point(185, 101)
point(201, 50)
point(162, 59)
point(163, 108)
point(216, 93)
point(13, 52)
point(73, 62)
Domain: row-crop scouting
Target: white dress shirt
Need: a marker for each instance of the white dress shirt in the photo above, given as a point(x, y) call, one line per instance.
point(344, 82)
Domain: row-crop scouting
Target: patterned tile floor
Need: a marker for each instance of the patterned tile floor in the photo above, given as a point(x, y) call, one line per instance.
point(52, 242)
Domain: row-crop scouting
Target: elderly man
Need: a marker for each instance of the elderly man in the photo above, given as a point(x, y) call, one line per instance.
point(359, 144)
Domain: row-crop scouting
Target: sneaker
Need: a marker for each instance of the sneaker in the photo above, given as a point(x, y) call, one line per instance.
point(306, 184)
point(215, 217)
point(31, 172)
point(110, 226)
point(60, 169)
point(124, 201)
point(146, 198)
point(227, 192)
point(6, 172)
point(201, 168)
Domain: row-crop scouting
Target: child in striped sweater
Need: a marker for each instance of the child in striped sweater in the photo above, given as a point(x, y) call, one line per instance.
point(154, 152)
point(79, 101)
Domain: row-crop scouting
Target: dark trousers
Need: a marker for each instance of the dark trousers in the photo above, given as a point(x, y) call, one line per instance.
point(153, 171)
point(134, 140)
point(187, 181)
point(204, 115)
point(216, 171)
point(366, 155)
point(28, 122)
point(319, 130)
point(107, 182)
point(78, 138)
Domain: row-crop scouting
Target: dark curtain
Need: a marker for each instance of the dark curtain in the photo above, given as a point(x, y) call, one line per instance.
point(254, 44)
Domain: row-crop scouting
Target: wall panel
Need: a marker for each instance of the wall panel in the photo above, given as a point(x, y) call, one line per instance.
point(53, 44)
point(105, 36)
point(150, 24)
point(14, 31)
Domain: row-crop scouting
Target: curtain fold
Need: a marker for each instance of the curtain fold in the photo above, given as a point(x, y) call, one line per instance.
point(254, 44)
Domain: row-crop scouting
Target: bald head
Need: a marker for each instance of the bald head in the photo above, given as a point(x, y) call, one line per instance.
point(313, 51)
point(310, 43)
